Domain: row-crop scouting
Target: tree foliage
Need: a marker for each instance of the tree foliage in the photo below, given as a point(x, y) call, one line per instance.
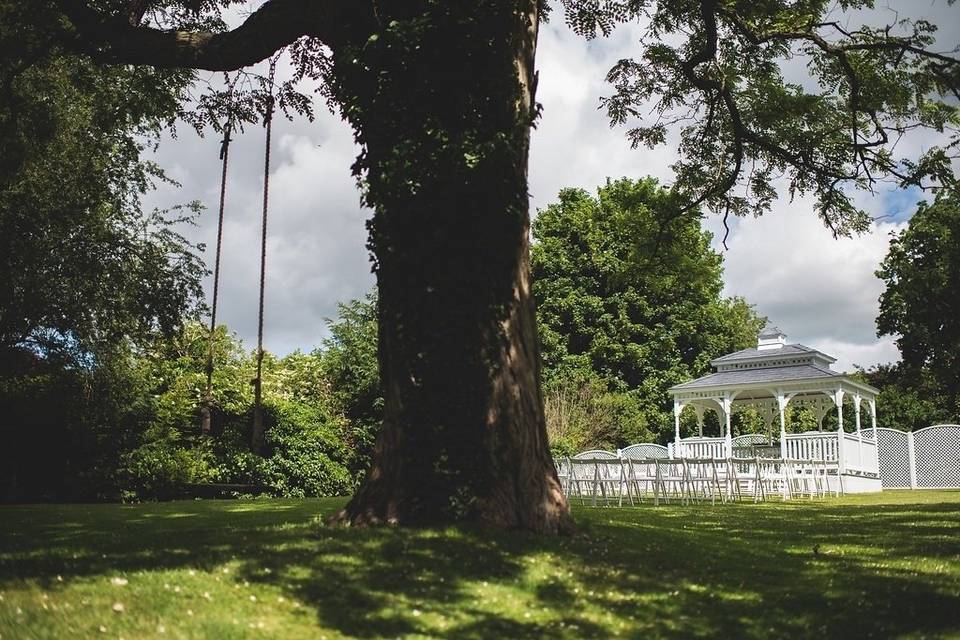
point(349, 363)
point(921, 303)
point(910, 397)
point(85, 268)
point(128, 427)
point(728, 76)
point(631, 293)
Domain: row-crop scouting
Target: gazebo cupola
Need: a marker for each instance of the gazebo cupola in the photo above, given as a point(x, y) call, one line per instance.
point(771, 338)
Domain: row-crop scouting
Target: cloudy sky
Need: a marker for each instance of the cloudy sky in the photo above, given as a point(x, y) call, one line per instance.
point(820, 291)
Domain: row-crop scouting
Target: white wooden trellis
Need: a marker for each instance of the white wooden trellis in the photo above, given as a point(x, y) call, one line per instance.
point(928, 458)
point(894, 449)
point(937, 457)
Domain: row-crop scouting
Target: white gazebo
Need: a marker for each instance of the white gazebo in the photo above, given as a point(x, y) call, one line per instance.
point(770, 377)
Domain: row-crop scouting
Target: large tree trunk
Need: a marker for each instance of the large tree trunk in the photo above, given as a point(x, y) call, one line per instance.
point(445, 128)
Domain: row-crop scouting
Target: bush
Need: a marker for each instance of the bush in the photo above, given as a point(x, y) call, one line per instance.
point(305, 456)
point(159, 470)
point(581, 414)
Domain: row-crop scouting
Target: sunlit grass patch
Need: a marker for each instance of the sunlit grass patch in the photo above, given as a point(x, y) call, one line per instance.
point(878, 565)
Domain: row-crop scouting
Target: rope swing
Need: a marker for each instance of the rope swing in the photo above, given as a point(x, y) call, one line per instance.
point(257, 439)
point(206, 408)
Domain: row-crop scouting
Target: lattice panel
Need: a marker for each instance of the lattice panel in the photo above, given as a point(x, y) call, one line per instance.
point(749, 439)
point(937, 451)
point(894, 458)
point(644, 450)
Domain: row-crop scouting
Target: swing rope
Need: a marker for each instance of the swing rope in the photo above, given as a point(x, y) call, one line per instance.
point(258, 434)
point(224, 157)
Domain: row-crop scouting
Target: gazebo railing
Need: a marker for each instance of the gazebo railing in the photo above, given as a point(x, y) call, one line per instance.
point(860, 454)
point(701, 448)
point(859, 450)
point(816, 445)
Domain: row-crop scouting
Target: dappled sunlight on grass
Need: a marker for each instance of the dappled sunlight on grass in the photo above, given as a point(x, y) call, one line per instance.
point(879, 566)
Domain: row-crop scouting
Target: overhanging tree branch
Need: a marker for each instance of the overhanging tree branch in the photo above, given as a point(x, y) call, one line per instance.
point(875, 86)
point(112, 38)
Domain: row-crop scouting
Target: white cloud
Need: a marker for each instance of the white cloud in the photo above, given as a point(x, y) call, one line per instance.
point(573, 144)
point(820, 290)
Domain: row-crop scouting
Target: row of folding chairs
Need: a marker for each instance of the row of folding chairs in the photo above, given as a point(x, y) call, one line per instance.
point(616, 481)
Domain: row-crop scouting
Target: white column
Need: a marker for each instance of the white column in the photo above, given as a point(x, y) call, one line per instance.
point(873, 420)
point(728, 443)
point(838, 400)
point(856, 409)
point(782, 405)
point(912, 460)
point(677, 408)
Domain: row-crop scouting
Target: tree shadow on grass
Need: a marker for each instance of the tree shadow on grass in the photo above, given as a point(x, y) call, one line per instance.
point(734, 570)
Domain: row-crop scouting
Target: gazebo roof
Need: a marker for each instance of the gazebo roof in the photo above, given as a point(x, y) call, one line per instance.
point(755, 372)
point(770, 354)
point(762, 375)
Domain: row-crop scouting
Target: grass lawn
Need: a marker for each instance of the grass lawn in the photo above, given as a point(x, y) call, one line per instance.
point(885, 565)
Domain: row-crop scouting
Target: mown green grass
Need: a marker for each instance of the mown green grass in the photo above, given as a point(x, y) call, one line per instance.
point(885, 565)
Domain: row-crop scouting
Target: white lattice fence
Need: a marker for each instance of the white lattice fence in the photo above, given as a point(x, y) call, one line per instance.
point(894, 458)
point(937, 455)
point(749, 439)
point(644, 450)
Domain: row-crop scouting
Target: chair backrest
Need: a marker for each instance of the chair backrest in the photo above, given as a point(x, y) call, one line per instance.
point(644, 450)
point(583, 468)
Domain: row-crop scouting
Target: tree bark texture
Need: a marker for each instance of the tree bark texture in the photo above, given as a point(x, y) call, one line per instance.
point(463, 435)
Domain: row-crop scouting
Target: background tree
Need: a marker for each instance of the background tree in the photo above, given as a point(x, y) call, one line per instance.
point(446, 173)
point(349, 358)
point(630, 292)
point(921, 303)
point(910, 398)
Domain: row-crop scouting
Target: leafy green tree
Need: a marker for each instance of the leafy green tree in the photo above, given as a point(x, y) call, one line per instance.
point(443, 163)
point(921, 303)
point(910, 398)
point(628, 290)
point(84, 267)
point(305, 452)
point(349, 358)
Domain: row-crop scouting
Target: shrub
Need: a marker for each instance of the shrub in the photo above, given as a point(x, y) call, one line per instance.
point(160, 469)
point(581, 413)
point(305, 456)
